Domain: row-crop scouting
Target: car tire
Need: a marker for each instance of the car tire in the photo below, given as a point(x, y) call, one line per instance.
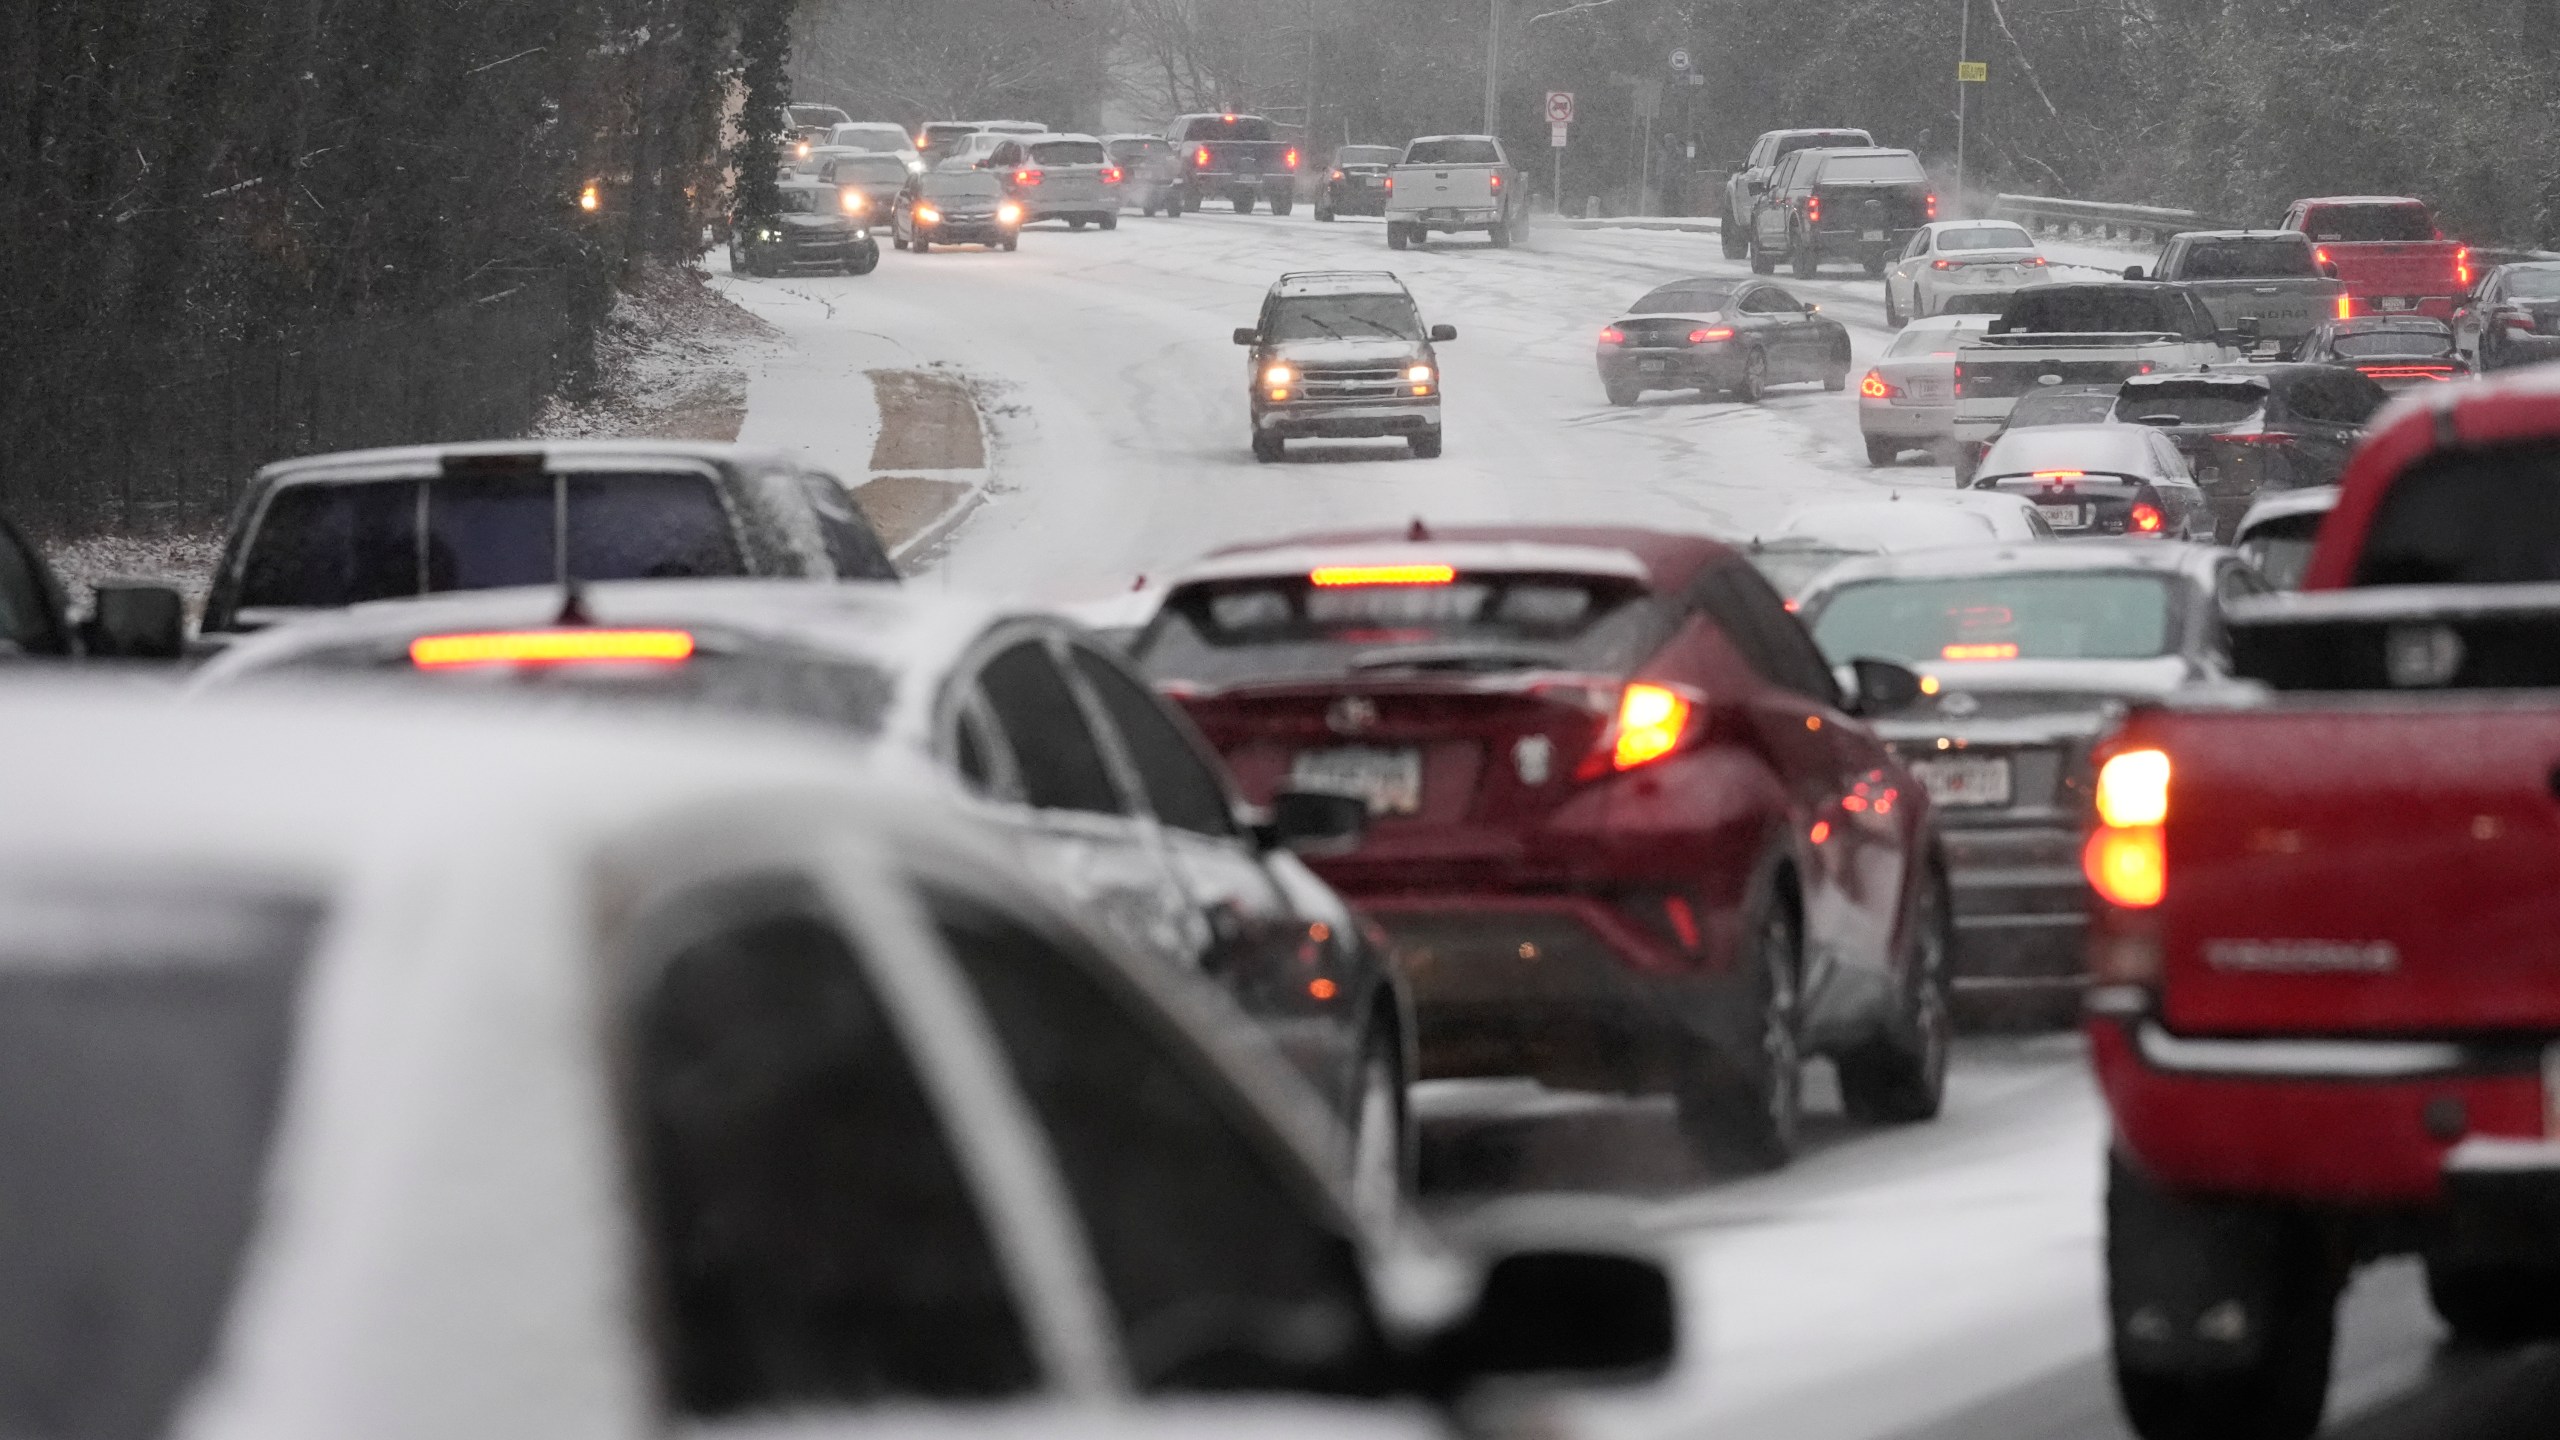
point(1836, 379)
point(1894, 319)
point(1283, 204)
point(1324, 213)
point(2272, 1390)
point(1883, 450)
point(1803, 261)
point(1500, 235)
point(2495, 1304)
point(1740, 1111)
point(1875, 265)
point(1762, 263)
point(1623, 394)
point(1010, 244)
point(1395, 236)
point(1966, 464)
point(1107, 222)
point(1900, 1077)
point(1075, 222)
point(1381, 1135)
point(920, 245)
point(1731, 235)
point(865, 262)
point(1268, 447)
point(1753, 387)
point(1147, 208)
point(1244, 204)
point(1425, 444)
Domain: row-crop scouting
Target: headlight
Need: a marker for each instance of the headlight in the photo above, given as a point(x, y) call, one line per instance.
point(1009, 213)
point(927, 215)
point(854, 202)
point(1279, 375)
point(1419, 374)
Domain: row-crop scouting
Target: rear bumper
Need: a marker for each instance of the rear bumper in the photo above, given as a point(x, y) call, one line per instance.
point(1355, 200)
point(1452, 218)
point(2020, 908)
point(1717, 363)
point(1850, 242)
point(1358, 421)
point(1929, 420)
point(1064, 209)
point(2388, 1126)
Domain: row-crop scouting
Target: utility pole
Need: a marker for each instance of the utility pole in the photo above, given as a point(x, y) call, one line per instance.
point(1493, 67)
point(1964, 53)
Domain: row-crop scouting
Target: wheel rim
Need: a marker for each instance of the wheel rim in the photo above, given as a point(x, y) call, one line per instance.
point(1778, 1050)
point(1377, 1150)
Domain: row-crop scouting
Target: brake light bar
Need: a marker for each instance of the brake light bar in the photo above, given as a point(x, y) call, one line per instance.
point(1331, 577)
point(2408, 372)
point(1986, 650)
point(2060, 475)
point(549, 647)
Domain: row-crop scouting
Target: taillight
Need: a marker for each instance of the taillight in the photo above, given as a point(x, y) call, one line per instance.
point(2517, 319)
point(1028, 177)
point(1652, 721)
point(1959, 377)
point(2346, 307)
point(1336, 175)
point(1290, 159)
point(1933, 207)
point(1494, 183)
point(1813, 208)
point(2462, 266)
point(2146, 519)
point(1710, 336)
point(1200, 157)
point(1980, 650)
point(2127, 857)
point(1612, 335)
point(1942, 264)
point(1111, 175)
point(1391, 184)
point(1874, 386)
point(2320, 256)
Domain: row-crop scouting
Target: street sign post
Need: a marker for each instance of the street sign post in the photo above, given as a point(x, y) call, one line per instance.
point(1559, 107)
point(1555, 135)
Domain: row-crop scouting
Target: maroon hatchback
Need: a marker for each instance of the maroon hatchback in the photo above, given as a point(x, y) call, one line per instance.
point(1626, 832)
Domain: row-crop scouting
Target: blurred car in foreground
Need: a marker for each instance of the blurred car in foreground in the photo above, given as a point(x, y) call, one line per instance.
point(328, 531)
point(2042, 406)
point(2096, 480)
point(2512, 317)
point(2030, 653)
point(1626, 834)
point(1102, 787)
point(2396, 352)
point(2248, 430)
point(955, 207)
point(2277, 533)
point(1961, 266)
point(1356, 182)
point(1908, 400)
point(1720, 337)
point(819, 227)
point(572, 1078)
point(128, 620)
point(1813, 538)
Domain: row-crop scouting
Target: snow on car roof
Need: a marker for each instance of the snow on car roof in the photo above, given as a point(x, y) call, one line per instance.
point(426, 459)
point(2025, 558)
point(2115, 448)
point(1339, 282)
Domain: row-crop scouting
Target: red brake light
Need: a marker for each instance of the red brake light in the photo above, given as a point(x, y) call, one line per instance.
point(1200, 157)
point(1290, 159)
point(1719, 332)
point(1942, 264)
point(2320, 255)
point(1027, 177)
point(1612, 335)
point(1959, 377)
point(1391, 182)
point(2462, 264)
point(2060, 476)
point(1874, 386)
point(1933, 207)
point(2034, 261)
point(1992, 650)
point(2145, 519)
point(2127, 857)
point(1813, 208)
point(1652, 721)
point(1111, 175)
point(1330, 577)
point(1494, 182)
point(548, 647)
point(1336, 175)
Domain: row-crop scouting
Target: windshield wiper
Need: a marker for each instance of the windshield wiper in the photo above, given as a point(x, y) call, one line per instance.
point(1450, 657)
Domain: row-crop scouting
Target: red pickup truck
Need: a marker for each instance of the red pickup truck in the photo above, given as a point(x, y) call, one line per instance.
point(2324, 963)
point(2388, 250)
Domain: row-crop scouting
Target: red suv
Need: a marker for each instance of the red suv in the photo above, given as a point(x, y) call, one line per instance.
point(1627, 833)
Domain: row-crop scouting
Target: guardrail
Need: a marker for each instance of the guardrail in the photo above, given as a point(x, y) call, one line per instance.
point(2095, 218)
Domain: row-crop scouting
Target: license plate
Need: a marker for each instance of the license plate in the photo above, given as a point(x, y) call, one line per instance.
point(1444, 214)
point(1964, 781)
point(2394, 302)
point(1389, 779)
point(1928, 389)
point(2064, 517)
point(1373, 181)
point(1870, 234)
point(1653, 367)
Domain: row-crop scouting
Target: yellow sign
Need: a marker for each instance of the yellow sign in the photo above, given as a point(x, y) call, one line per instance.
point(1973, 72)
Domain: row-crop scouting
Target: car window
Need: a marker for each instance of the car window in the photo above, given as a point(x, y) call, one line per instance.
point(1221, 1267)
point(1044, 728)
point(1365, 155)
point(1986, 237)
point(146, 1038)
point(2192, 402)
point(2281, 547)
point(641, 526)
point(1186, 791)
point(2488, 516)
point(2255, 257)
point(809, 1228)
point(1007, 153)
point(1069, 152)
point(1454, 150)
point(868, 170)
point(2079, 309)
point(2338, 396)
point(1752, 615)
point(1686, 297)
point(959, 185)
point(2394, 341)
point(851, 546)
point(1762, 301)
point(2357, 223)
point(1873, 168)
point(2532, 282)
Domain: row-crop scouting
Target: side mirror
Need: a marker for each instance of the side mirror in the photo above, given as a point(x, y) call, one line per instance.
point(1441, 334)
point(2329, 269)
point(1247, 335)
point(2133, 272)
point(129, 620)
point(1812, 309)
point(1884, 688)
point(1558, 1312)
point(1314, 822)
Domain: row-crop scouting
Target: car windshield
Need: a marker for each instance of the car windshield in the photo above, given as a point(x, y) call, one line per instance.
point(1454, 150)
point(2414, 341)
point(2191, 402)
point(959, 185)
point(1345, 317)
point(2053, 310)
point(1689, 297)
point(148, 1037)
point(799, 200)
point(1822, 140)
point(1986, 237)
point(2275, 257)
point(1871, 167)
point(322, 544)
point(871, 170)
point(1246, 631)
point(813, 117)
point(2356, 223)
point(1931, 339)
point(2083, 615)
point(2469, 517)
point(2106, 449)
point(2534, 284)
point(869, 137)
point(1231, 127)
point(2060, 407)
point(1365, 155)
point(1069, 152)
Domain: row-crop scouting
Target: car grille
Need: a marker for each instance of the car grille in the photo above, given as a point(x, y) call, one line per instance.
point(1383, 383)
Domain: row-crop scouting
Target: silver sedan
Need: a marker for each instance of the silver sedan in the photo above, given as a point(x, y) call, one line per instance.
point(1961, 266)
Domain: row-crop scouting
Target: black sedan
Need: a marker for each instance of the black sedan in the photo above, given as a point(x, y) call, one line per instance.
point(1720, 337)
point(818, 228)
point(1356, 183)
point(2396, 352)
point(1104, 787)
point(2512, 317)
point(955, 207)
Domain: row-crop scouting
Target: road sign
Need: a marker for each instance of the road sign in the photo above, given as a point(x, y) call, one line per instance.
point(1680, 61)
point(1973, 72)
point(1555, 135)
point(1559, 107)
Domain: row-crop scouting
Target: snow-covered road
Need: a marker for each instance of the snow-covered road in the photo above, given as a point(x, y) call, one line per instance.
point(1942, 1280)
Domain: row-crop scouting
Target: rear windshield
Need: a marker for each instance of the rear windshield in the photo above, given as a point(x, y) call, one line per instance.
point(322, 545)
point(1345, 317)
point(2190, 402)
point(2097, 449)
point(1290, 628)
point(2272, 258)
point(1986, 237)
point(2475, 517)
point(1453, 152)
point(1822, 140)
point(959, 185)
point(1929, 340)
point(1686, 298)
point(871, 170)
point(2046, 407)
point(1230, 127)
point(2534, 284)
point(815, 117)
point(2057, 310)
point(1872, 167)
point(2099, 615)
point(2352, 223)
point(144, 1044)
point(1069, 152)
point(869, 137)
point(2372, 344)
point(1365, 155)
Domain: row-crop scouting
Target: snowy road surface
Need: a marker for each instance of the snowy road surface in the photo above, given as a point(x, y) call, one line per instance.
point(1941, 1281)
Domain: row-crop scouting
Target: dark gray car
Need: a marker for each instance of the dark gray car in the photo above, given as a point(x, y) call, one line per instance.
point(2249, 430)
point(2031, 652)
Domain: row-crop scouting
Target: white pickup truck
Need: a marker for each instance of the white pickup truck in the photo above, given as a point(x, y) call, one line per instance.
point(1450, 183)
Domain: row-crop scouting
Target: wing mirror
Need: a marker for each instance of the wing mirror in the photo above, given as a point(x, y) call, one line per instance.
point(1812, 309)
point(1881, 687)
point(1314, 822)
point(1441, 334)
point(2133, 272)
point(1556, 1312)
point(2244, 333)
point(1247, 335)
point(129, 620)
point(2329, 269)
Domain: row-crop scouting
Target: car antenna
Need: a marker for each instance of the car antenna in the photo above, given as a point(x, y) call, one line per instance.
point(573, 605)
point(1417, 531)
